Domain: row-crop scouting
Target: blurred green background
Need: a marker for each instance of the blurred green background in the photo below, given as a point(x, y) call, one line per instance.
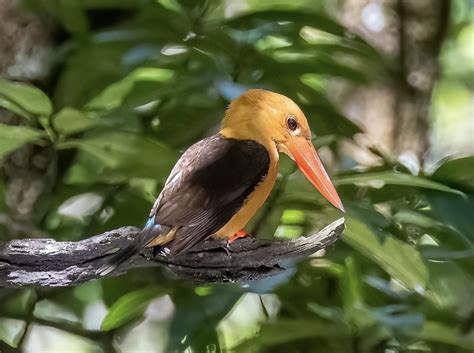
point(99, 97)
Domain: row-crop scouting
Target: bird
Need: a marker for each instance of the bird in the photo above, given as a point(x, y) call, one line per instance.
point(220, 182)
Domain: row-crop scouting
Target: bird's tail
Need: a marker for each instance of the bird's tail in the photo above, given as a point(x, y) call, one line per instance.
point(143, 239)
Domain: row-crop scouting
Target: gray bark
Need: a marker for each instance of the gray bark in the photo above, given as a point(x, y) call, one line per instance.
point(50, 263)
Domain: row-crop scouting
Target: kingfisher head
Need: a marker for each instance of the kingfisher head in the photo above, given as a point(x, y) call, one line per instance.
point(279, 124)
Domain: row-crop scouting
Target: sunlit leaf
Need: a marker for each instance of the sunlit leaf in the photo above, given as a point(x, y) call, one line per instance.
point(129, 307)
point(13, 137)
point(293, 217)
point(26, 97)
point(11, 331)
point(288, 232)
point(400, 260)
point(171, 5)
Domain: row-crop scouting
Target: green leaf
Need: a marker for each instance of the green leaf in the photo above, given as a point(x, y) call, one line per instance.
point(193, 309)
point(288, 232)
point(13, 137)
point(94, 76)
point(285, 331)
point(129, 307)
point(401, 261)
point(19, 303)
point(72, 16)
point(351, 285)
point(405, 216)
point(172, 5)
point(121, 155)
point(293, 217)
point(451, 287)
point(380, 179)
point(459, 171)
point(442, 230)
point(453, 211)
point(9, 105)
point(439, 332)
point(113, 95)
point(297, 17)
point(11, 331)
point(26, 97)
point(71, 121)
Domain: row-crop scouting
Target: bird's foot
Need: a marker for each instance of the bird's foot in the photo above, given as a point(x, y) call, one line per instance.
point(160, 251)
point(165, 251)
point(240, 234)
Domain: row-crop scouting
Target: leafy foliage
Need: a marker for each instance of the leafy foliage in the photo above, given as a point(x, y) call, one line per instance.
point(25, 97)
point(13, 137)
point(128, 307)
point(140, 80)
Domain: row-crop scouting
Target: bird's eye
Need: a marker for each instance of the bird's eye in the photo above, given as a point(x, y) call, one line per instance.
point(292, 124)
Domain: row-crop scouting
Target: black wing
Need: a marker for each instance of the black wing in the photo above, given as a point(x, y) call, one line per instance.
point(207, 186)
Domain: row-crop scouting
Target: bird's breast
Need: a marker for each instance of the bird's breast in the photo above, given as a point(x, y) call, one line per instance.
point(252, 204)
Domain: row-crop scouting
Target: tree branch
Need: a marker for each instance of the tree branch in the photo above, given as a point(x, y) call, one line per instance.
point(46, 262)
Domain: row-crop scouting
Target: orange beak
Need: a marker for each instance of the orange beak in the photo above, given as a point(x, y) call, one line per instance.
point(304, 154)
